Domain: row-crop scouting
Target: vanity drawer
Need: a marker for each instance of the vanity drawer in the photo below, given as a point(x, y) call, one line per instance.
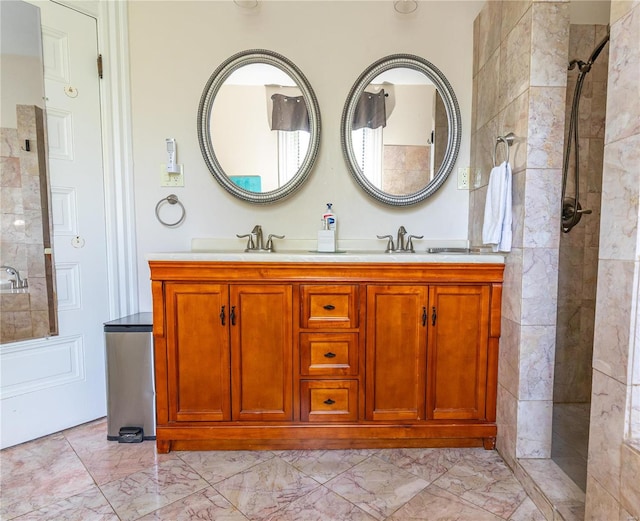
point(328, 400)
point(329, 354)
point(329, 307)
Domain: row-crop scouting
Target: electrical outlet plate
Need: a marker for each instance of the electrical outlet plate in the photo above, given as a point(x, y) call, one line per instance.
point(167, 179)
point(463, 178)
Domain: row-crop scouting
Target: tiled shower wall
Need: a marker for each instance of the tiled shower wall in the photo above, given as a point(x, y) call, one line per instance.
point(25, 228)
point(520, 78)
point(526, 42)
point(578, 259)
point(613, 474)
point(407, 168)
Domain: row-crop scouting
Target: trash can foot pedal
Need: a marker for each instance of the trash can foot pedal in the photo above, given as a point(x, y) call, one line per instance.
point(130, 435)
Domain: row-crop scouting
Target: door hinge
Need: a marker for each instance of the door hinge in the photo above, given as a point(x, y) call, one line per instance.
point(100, 66)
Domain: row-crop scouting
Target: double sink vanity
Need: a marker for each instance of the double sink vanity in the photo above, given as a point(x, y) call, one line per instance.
point(270, 344)
point(294, 349)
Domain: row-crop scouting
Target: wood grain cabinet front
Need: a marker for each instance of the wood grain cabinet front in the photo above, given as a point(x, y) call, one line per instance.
point(198, 355)
point(329, 400)
point(396, 352)
point(229, 354)
point(458, 350)
point(303, 355)
point(427, 352)
point(329, 306)
point(329, 354)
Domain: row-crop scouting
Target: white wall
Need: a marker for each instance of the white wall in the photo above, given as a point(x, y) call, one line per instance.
point(175, 46)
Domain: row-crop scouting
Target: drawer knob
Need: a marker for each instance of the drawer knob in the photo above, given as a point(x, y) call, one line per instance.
point(330, 355)
point(329, 401)
point(329, 307)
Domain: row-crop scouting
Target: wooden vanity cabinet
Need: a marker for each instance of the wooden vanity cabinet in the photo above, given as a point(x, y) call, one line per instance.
point(198, 354)
point(324, 355)
point(458, 350)
point(229, 352)
point(396, 352)
point(329, 353)
point(427, 352)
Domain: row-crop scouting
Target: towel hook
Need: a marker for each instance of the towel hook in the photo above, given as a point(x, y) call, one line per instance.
point(508, 141)
point(171, 199)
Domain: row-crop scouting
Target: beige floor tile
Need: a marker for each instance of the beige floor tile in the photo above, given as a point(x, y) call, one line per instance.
point(323, 465)
point(377, 487)
point(205, 505)
point(320, 505)
point(215, 466)
point(435, 504)
point(88, 505)
point(149, 490)
point(428, 464)
point(79, 475)
point(109, 460)
point(265, 488)
point(483, 479)
point(39, 473)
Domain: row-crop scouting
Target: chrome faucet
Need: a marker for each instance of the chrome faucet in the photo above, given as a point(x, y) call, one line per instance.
point(400, 241)
point(257, 233)
point(16, 282)
point(404, 243)
point(255, 240)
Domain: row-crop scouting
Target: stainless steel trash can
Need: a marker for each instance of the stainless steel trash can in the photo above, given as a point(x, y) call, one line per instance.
point(131, 407)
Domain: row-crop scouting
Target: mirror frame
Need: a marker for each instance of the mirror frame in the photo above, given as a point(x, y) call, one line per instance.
point(453, 117)
point(212, 87)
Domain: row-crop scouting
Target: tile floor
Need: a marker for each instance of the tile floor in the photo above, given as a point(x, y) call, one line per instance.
point(79, 475)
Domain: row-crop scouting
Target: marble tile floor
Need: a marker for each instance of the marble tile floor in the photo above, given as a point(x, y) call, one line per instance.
point(78, 475)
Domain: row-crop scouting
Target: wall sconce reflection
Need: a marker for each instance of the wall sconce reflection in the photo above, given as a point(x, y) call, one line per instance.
point(246, 4)
point(405, 6)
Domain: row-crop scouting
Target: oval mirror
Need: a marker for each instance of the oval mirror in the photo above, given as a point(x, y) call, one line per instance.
point(259, 126)
point(401, 129)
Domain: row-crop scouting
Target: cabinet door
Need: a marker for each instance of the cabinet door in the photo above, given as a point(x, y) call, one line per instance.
point(457, 351)
point(261, 340)
point(197, 352)
point(396, 352)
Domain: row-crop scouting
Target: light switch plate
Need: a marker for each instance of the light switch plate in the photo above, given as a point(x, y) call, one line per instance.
point(463, 178)
point(170, 179)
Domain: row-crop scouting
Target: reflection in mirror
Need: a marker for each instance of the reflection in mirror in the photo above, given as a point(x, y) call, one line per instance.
point(396, 132)
point(258, 126)
point(27, 302)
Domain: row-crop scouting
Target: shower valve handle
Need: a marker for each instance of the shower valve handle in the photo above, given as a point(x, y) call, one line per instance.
point(580, 210)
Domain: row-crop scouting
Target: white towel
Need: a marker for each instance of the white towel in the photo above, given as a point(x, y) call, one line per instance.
point(496, 229)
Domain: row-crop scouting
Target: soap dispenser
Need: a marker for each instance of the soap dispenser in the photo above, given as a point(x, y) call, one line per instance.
point(329, 218)
point(327, 235)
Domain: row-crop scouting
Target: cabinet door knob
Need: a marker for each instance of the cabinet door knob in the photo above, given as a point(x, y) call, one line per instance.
point(329, 401)
point(329, 307)
point(433, 316)
point(232, 315)
point(424, 316)
point(330, 355)
point(222, 316)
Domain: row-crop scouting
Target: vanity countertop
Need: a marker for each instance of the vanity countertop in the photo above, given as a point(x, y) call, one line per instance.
point(355, 251)
point(310, 256)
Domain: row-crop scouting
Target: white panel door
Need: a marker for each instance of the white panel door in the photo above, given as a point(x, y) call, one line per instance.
point(60, 382)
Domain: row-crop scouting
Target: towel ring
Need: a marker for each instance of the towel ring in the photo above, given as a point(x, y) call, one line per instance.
point(171, 199)
point(507, 140)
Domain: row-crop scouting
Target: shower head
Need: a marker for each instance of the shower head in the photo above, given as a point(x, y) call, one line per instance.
point(579, 63)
